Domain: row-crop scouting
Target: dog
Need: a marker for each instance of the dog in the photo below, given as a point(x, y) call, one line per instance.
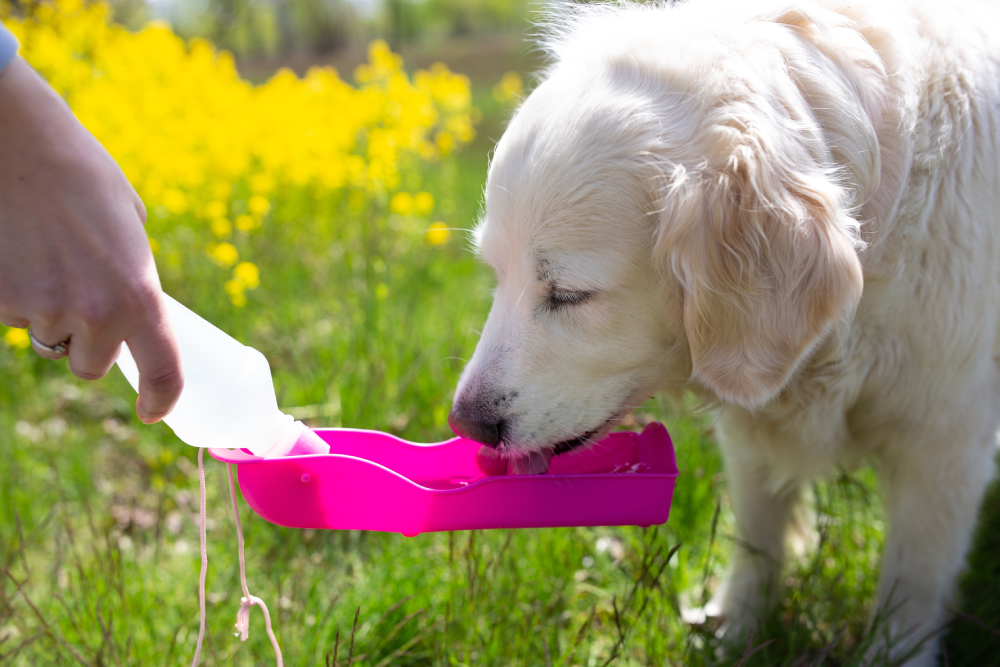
point(791, 209)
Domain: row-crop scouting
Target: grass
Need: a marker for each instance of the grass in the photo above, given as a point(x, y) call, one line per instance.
point(98, 534)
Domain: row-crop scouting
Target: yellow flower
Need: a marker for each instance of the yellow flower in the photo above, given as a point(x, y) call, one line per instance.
point(154, 246)
point(248, 273)
point(261, 183)
point(224, 254)
point(510, 88)
point(401, 203)
point(222, 189)
point(221, 227)
point(216, 209)
point(236, 291)
point(423, 203)
point(438, 233)
point(258, 205)
point(17, 338)
point(247, 223)
point(174, 201)
point(445, 142)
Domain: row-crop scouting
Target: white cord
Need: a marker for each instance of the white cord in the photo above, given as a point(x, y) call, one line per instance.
point(247, 601)
point(204, 556)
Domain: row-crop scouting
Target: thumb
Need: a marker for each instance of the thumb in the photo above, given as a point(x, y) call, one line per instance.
point(157, 356)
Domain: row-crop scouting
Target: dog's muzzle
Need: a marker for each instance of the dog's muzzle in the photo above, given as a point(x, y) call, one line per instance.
point(484, 429)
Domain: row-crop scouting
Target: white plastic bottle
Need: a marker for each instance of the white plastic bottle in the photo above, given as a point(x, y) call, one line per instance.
point(228, 398)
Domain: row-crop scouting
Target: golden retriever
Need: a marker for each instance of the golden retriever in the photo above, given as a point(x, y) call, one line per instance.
point(790, 208)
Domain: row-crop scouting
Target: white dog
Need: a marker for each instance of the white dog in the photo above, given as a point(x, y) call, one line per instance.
point(792, 209)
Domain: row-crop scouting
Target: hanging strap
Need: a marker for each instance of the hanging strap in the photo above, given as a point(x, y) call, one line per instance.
point(204, 557)
point(247, 601)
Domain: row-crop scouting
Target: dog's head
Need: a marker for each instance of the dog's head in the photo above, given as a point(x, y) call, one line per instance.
point(667, 207)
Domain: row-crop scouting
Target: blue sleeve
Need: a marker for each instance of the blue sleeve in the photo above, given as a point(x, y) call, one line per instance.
point(8, 46)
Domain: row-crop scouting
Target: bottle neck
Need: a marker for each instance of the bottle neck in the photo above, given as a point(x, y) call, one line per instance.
point(296, 439)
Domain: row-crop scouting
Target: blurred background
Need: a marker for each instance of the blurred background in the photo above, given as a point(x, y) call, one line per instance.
point(479, 38)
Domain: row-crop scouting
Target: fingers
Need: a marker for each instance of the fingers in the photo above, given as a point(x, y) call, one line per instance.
point(91, 346)
point(7, 318)
point(46, 336)
point(91, 358)
point(156, 354)
point(94, 328)
point(94, 343)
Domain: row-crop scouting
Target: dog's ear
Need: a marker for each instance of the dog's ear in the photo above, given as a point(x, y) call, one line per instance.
point(766, 257)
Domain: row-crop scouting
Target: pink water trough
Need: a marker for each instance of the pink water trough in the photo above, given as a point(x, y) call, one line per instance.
point(375, 481)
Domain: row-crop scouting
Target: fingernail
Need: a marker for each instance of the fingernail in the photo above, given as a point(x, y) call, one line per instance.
point(144, 416)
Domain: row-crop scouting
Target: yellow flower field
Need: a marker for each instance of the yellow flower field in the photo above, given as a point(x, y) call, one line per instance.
point(210, 152)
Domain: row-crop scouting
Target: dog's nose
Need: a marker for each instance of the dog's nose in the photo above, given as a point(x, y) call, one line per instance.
point(485, 432)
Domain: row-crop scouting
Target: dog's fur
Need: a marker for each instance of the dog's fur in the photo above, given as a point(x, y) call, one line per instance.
point(792, 209)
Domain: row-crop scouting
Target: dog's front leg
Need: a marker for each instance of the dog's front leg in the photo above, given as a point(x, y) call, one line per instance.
point(762, 515)
point(933, 483)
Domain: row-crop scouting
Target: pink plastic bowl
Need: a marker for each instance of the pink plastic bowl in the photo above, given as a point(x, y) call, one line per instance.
point(376, 481)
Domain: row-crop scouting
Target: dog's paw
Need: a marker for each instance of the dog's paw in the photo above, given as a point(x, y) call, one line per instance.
point(747, 593)
point(713, 619)
point(706, 619)
point(710, 614)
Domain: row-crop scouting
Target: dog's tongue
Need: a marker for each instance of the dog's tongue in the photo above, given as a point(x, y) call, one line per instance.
point(533, 464)
point(493, 464)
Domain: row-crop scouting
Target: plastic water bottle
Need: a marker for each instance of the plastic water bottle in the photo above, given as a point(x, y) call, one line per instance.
point(228, 399)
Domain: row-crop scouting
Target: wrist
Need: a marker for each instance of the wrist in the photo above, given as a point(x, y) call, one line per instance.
point(36, 121)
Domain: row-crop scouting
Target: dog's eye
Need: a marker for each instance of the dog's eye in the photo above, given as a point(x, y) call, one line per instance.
point(558, 298)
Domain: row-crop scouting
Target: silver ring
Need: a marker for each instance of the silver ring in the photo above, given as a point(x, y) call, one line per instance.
point(60, 349)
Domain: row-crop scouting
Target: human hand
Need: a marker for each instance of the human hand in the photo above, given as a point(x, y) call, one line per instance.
point(75, 263)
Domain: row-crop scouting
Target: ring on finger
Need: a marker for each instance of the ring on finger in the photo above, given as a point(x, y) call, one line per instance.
point(59, 349)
